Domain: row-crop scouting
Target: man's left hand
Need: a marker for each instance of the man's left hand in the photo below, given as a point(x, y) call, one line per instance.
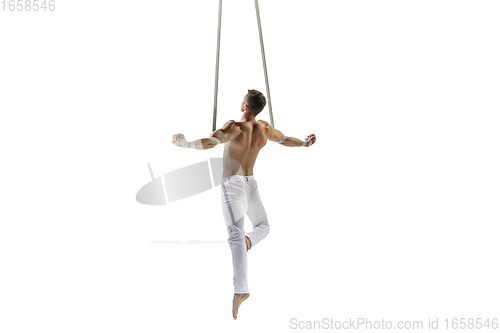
point(179, 140)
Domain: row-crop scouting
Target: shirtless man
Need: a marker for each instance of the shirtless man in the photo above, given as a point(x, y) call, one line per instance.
point(239, 190)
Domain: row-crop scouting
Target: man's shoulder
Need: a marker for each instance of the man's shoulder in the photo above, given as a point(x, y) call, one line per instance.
point(263, 122)
point(232, 126)
point(229, 123)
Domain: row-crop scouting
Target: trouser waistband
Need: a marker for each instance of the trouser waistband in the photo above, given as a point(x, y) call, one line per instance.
point(240, 176)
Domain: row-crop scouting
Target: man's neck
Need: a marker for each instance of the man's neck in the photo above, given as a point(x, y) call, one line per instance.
point(247, 117)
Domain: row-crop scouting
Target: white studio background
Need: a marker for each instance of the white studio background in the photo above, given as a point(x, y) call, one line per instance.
point(392, 214)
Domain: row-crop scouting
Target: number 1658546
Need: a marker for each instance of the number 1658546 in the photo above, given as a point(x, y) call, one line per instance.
point(28, 5)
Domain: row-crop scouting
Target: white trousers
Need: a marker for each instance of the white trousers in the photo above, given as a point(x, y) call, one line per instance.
point(240, 195)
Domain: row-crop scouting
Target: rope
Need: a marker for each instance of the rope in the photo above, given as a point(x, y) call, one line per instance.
point(217, 67)
point(263, 63)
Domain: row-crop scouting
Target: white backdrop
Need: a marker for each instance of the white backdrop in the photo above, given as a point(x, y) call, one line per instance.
point(392, 214)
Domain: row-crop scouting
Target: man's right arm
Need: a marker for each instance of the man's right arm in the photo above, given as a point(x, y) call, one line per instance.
point(288, 141)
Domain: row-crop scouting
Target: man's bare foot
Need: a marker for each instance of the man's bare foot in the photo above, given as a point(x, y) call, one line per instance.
point(237, 300)
point(249, 244)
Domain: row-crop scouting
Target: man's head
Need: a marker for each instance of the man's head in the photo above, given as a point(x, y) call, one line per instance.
point(253, 102)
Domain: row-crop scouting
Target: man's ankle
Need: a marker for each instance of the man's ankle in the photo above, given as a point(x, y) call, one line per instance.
point(248, 243)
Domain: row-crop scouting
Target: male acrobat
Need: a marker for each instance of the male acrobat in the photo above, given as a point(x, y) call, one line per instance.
point(239, 190)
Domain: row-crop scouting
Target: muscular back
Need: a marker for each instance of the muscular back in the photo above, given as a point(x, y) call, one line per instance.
point(240, 153)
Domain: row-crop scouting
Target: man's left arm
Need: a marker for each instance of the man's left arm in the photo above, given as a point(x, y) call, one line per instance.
point(222, 135)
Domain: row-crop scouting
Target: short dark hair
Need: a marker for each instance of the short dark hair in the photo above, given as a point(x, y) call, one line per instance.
point(256, 101)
